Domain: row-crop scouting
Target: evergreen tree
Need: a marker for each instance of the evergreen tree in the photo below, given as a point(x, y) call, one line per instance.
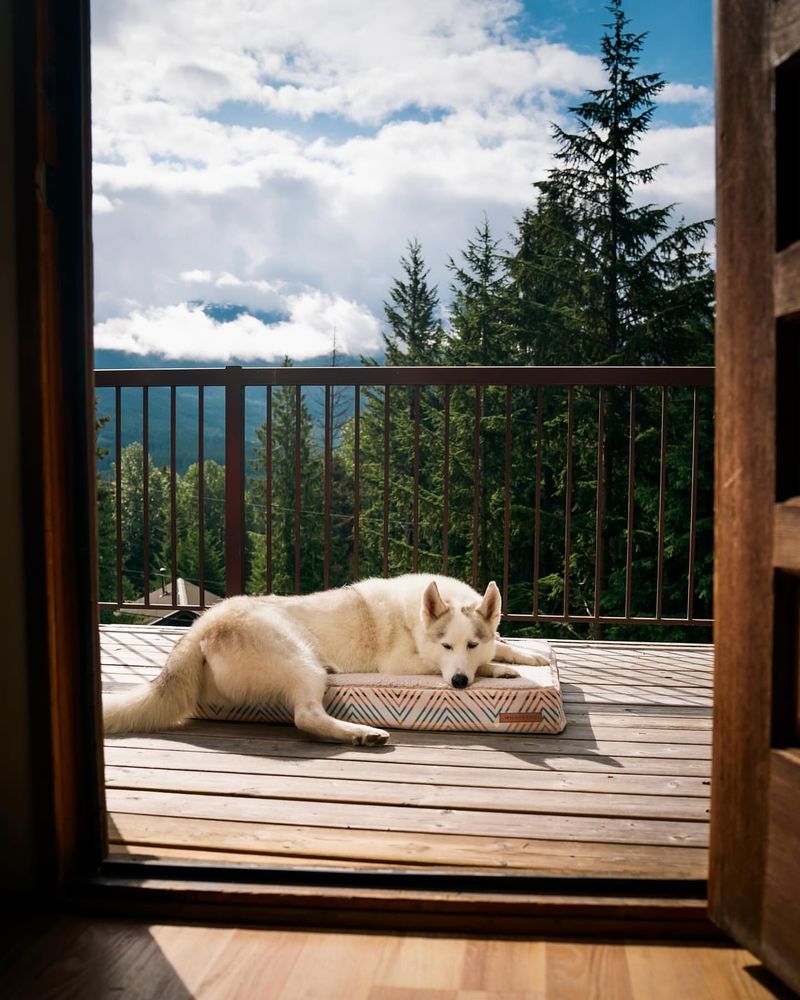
point(106, 532)
point(188, 525)
point(479, 335)
point(412, 312)
point(478, 314)
point(635, 289)
point(598, 278)
point(415, 338)
point(290, 419)
point(132, 465)
point(545, 288)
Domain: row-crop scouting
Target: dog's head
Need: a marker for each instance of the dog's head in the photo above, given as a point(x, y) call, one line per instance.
point(459, 639)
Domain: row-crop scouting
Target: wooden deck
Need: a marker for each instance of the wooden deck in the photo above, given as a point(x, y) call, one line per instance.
point(624, 791)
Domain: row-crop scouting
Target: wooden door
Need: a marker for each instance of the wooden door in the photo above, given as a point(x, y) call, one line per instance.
point(755, 811)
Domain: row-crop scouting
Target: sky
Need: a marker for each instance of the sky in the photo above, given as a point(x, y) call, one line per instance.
point(278, 155)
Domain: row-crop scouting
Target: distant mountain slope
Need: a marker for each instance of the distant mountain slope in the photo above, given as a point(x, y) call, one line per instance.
point(186, 408)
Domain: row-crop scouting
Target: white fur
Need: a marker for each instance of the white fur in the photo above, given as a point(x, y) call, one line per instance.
point(280, 649)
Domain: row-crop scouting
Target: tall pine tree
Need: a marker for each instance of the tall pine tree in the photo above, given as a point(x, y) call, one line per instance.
point(479, 333)
point(412, 312)
point(634, 288)
point(291, 425)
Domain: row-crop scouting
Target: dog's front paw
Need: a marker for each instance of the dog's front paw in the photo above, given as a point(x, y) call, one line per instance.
point(369, 737)
point(505, 672)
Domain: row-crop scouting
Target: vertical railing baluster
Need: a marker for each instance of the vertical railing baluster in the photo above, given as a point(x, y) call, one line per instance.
point(234, 481)
point(386, 421)
point(146, 494)
point(446, 485)
point(173, 496)
point(268, 490)
point(326, 492)
point(201, 494)
point(662, 483)
point(476, 486)
point(537, 504)
point(599, 511)
point(118, 491)
point(506, 498)
point(693, 504)
point(631, 499)
point(568, 500)
point(415, 499)
point(356, 476)
point(298, 414)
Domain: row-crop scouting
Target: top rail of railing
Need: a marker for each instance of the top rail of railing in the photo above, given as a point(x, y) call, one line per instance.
point(385, 375)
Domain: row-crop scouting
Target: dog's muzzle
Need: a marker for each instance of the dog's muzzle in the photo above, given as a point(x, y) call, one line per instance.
point(459, 680)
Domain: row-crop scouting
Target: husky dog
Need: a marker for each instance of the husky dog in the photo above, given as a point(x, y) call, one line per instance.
point(250, 649)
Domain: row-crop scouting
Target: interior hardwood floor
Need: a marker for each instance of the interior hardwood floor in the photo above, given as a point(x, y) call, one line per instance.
point(624, 791)
point(85, 959)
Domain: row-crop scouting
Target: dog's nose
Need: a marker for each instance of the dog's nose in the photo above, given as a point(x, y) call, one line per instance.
point(459, 680)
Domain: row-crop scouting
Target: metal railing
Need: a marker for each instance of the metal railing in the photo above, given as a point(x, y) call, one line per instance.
point(548, 453)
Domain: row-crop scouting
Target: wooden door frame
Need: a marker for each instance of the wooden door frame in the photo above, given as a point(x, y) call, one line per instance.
point(51, 46)
point(53, 257)
point(758, 288)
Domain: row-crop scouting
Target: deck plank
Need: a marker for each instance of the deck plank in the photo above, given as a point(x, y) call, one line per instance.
point(187, 739)
point(623, 792)
point(306, 789)
point(299, 843)
point(472, 777)
point(594, 829)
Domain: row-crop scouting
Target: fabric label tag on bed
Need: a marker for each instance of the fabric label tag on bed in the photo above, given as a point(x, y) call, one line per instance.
point(530, 703)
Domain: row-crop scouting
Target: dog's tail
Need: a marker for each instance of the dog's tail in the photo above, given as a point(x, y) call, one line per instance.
point(167, 701)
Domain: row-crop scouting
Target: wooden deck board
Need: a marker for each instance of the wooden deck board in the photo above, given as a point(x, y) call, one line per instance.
point(623, 792)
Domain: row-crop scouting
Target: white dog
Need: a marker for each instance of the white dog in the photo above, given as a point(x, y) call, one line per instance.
point(246, 650)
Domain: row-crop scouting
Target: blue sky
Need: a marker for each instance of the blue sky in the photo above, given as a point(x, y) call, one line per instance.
point(679, 32)
point(279, 155)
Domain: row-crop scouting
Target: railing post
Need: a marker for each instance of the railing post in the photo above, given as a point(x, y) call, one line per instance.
point(234, 481)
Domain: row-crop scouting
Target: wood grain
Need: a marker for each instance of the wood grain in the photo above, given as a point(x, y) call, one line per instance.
point(786, 283)
point(438, 796)
point(299, 843)
point(78, 957)
point(422, 774)
point(745, 463)
point(297, 748)
point(781, 928)
point(409, 819)
point(786, 545)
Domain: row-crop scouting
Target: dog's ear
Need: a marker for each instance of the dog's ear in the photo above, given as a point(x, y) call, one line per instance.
point(433, 606)
point(490, 606)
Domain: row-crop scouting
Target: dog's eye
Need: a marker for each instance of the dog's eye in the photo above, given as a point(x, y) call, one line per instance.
point(471, 645)
point(447, 645)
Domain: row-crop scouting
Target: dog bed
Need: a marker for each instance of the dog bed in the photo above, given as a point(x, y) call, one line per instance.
point(530, 703)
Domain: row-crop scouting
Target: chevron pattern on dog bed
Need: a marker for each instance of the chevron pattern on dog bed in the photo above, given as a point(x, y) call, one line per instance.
point(531, 703)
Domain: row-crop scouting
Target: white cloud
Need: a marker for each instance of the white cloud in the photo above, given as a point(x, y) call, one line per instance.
point(186, 331)
point(355, 58)
point(686, 93)
point(101, 204)
point(687, 179)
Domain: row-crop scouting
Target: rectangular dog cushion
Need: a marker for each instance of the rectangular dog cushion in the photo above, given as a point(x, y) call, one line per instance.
point(530, 703)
